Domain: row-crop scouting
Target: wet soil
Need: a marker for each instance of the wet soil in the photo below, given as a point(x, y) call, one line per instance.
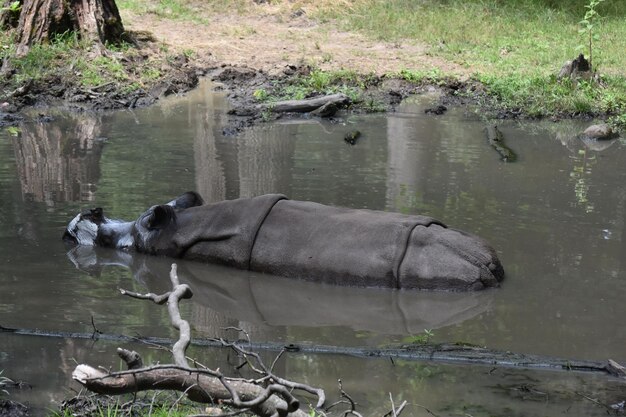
point(227, 50)
point(64, 89)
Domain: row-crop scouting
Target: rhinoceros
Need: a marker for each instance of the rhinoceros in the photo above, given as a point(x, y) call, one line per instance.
point(302, 239)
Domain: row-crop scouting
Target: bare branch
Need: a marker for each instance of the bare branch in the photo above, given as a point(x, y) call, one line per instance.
point(158, 299)
point(200, 385)
point(131, 358)
point(352, 403)
point(269, 375)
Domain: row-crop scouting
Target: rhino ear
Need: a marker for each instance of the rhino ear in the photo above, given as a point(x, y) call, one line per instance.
point(189, 199)
point(161, 217)
point(97, 216)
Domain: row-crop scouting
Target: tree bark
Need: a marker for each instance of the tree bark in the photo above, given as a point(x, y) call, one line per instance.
point(199, 388)
point(40, 21)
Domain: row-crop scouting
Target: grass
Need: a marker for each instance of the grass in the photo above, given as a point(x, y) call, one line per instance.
point(166, 405)
point(513, 47)
point(319, 82)
point(4, 381)
point(167, 9)
point(89, 70)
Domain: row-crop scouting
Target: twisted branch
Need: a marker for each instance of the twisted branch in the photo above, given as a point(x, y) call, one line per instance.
point(268, 396)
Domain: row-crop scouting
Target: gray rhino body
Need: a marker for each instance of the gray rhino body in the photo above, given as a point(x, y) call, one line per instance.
point(310, 241)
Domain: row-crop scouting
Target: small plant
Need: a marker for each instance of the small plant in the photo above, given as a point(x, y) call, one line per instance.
point(189, 53)
point(418, 77)
point(13, 131)
point(4, 381)
point(266, 114)
point(260, 94)
point(318, 80)
point(587, 26)
point(13, 8)
point(374, 106)
point(422, 338)
point(618, 122)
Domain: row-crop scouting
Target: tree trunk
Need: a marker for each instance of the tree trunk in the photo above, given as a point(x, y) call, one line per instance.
point(40, 21)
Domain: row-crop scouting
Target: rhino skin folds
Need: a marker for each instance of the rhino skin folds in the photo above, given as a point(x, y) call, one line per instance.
point(321, 243)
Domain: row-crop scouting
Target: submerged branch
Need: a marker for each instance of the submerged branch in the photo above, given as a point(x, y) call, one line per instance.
point(273, 398)
point(452, 353)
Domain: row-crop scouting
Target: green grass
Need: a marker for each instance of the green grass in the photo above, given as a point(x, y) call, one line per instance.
point(526, 36)
point(319, 82)
point(74, 55)
point(100, 406)
point(514, 47)
point(167, 9)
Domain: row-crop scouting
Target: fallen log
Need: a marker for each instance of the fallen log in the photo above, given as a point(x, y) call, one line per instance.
point(496, 140)
point(309, 104)
point(269, 396)
point(198, 387)
point(444, 352)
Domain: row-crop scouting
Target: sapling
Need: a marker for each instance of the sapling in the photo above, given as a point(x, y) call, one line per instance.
point(587, 26)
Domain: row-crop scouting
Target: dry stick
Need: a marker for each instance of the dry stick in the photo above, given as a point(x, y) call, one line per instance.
point(399, 410)
point(448, 353)
point(349, 398)
point(269, 375)
point(608, 408)
point(393, 411)
point(170, 377)
point(427, 410)
point(393, 407)
point(180, 291)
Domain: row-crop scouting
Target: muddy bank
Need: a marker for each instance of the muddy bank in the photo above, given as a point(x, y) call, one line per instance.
point(63, 87)
point(254, 95)
point(257, 97)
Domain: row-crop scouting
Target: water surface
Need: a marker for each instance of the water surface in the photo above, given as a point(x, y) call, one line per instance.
point(557, 218)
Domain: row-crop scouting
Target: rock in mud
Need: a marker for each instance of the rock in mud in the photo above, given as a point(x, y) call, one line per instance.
point(599, 132)
point(352, 136)
point(438, 110)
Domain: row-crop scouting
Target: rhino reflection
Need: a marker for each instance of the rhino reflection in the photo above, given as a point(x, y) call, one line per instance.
point(59, 162)
point(260, 299)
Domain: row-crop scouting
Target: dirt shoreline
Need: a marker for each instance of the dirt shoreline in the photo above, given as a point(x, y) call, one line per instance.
point(183, 74)
point(261, 50)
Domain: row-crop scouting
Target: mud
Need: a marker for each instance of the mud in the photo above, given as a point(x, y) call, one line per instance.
point(376, 93)
point(180, 73)
point(10, 408)
point(64, 89)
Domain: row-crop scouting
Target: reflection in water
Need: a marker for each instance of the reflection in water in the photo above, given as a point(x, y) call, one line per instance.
point(59, 162)
point(566, 269)
point(269, 301)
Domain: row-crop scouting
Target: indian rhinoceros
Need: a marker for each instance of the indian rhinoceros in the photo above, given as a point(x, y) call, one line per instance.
point(302, 239)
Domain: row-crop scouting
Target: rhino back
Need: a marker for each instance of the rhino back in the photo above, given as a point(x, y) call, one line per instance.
point(334, 245)
point(223, 232)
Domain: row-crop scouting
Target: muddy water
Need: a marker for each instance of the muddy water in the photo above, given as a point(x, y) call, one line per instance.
point(557, 218)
